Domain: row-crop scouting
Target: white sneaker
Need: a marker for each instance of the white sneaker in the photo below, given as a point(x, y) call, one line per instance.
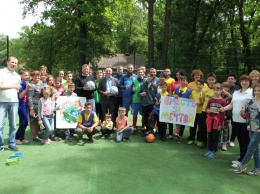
point(170, 137)
point(224, 147)
point(235, 162)
point(231, 144)
point(235, 165)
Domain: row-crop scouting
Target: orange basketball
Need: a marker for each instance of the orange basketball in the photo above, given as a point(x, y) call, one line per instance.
point(150, 138)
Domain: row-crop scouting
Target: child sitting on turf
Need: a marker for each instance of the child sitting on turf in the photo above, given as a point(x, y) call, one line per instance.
point(107, 126)
point(181, 92)
point(122, 126)
point(215, 120)
point(155, 113)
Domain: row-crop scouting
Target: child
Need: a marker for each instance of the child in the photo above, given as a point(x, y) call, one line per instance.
point(181, 92)
point(136, 99)
point(50, 83)
point(107, 126)
point(99, 112)
point(46, 108)
point(147, 92)
point(227, 96)
point(155, 113)
point(59, 89)
point(68, 80)
point(122, 126)
point(208, 93)
point(43, 78)
point(162, 77)
point(252, 115)
point(215, 120)
point(87, 123)
point(198, 96)
point(22, 109)
point(69, 93)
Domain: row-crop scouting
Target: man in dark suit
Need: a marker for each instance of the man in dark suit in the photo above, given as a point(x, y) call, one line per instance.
point(108, 100)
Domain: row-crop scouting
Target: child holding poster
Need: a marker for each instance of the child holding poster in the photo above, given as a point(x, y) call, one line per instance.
point(155, 113)
point(215, 120)
point(183, 92)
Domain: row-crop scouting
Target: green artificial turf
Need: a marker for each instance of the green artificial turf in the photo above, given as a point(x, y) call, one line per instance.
point(127, 167)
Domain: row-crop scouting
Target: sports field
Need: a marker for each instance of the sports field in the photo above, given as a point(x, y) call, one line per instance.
point(127, 167)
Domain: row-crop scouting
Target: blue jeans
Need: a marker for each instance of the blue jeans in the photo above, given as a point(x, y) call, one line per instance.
point(10, 108)
point(126, 133)
point(93, 104)
point(253, 149)
point(48, 121)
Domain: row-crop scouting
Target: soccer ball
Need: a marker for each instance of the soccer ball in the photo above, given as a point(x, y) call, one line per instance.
point(90, 85)
point(113, 90)
point(150, 138)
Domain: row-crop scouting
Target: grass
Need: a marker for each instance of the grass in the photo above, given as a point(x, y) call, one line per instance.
point(126, 167)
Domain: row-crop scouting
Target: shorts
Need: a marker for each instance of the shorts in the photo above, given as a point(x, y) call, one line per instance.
point(136, 107)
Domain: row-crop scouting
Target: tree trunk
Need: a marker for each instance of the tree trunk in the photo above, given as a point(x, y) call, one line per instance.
point(166, 33)
point(150, 34)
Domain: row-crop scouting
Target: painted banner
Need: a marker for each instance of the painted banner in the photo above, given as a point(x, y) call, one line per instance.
point(66, 117)
point(178, 110)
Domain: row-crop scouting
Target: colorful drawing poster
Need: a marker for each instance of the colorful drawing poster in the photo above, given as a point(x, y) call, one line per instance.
point(66, 117)
point(178, 110)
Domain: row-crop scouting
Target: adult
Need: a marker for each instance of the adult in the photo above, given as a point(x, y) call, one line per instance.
point(33, 98)
point(169, 81)
point(61, 75)
point(80, 86)
point(255, 78)
point(87, 123)
point(177, 82)
point(126, 84)
point(232, 79)
point(108, 100)
point(155, 80)
point(9, 87)
point(196, 75)
point(118, 76)
point(239, 100)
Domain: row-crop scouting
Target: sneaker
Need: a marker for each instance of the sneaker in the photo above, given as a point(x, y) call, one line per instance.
point(212, 155)
point(254, 173)
point(55, 138)
point(103, 137)
point(202, 146)
point(199, 143)
point(126, 139)
point(231, 144)
point(170, 137)
point(190, 142)
point(208, 153)
point(80, 141)
point(179, 140)
point(13, 148)
point(25, 141)
point(46, 142)
point(68, 139)
point(235, 165)
point(235, 162)
point(224, 147)
point(37, 139)
point(2, 149)
point(240, 168)
point(18, 142)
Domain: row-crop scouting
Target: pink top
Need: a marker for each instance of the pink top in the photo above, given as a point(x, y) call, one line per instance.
point(47, 107)
point(177, 84)
point(60, 91)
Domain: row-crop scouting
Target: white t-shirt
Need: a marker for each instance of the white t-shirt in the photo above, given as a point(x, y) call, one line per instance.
point(9, 78)
point(239, 100)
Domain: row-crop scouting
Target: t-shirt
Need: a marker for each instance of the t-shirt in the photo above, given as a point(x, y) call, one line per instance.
point(195, 96)
point(239, 100)
point(86, 116)
point(208, 93)
point(47, 107)
point(9, 78)
point(107, 124)
point(96, 94)
point(137, 83)
point(121, 122)
point(193, 86)
point(214, 106)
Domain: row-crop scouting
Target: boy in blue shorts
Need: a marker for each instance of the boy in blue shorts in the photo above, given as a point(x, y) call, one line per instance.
point(136, 99)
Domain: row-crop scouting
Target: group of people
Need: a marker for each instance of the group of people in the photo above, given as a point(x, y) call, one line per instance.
point(35, 94)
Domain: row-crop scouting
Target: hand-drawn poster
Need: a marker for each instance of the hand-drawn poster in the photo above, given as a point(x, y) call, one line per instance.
point(69, 108)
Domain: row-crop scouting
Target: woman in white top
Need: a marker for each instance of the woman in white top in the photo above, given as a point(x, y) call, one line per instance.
point(239, 99)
